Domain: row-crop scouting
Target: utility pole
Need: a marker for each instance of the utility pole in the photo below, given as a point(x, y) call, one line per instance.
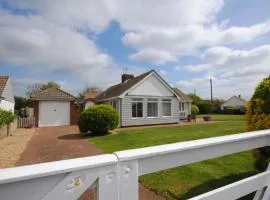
point(211, 88)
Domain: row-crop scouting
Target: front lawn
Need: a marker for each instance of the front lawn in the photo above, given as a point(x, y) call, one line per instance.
point(186, 181)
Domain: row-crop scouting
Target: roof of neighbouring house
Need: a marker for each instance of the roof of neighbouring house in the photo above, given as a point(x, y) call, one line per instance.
point(53, 94)
point(117, 90)
point(91, 95)
point(237, 97)
point(3, 83)
point(181, 94)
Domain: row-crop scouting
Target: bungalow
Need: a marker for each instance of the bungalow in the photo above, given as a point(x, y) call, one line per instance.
point(234, 101)
point(7, 101)
point(89, 99)
point(143, 100)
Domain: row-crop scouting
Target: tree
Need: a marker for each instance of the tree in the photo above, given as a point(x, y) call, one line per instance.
point(86, 90)
point(37, 87)
point(258, 118)
point(195, 99)
point(20, 102)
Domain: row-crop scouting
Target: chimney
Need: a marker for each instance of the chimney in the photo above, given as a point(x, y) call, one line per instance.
point(239, 96)
point(126, 77)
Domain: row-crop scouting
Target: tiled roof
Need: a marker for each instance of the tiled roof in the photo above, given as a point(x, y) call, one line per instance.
point(91, 95)
point(181, 94)
point(117, 90)
point(53, 94)
point(3, 83)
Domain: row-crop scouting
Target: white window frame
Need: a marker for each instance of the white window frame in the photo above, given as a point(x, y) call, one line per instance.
point(152, 101)
point(136, 100)
point(166, 101)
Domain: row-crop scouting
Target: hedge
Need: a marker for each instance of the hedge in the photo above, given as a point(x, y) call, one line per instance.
point(98, 119)
point(6, 117)
point(258, 118)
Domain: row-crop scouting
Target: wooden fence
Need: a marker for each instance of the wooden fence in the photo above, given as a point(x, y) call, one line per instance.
point(26, 122)
point(115, 176)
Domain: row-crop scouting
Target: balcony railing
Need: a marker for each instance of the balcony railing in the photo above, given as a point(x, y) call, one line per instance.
point(115, 176)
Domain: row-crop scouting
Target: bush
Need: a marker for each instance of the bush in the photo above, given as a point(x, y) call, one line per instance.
point(98, 119)
point(232, 110)
point(6, 117)
point(205, 107)
point(194, 110)
point(258, 118)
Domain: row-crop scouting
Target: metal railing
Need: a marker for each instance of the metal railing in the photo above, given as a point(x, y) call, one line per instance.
point(115, 176)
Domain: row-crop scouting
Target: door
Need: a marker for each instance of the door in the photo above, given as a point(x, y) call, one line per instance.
point(54, 113)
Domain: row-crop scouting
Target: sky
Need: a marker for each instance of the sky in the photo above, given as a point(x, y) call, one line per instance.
point(92, 42)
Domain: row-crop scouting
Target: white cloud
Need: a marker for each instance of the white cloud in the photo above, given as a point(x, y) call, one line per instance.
point(193, 68)
point(163, 72)
point(239, 70)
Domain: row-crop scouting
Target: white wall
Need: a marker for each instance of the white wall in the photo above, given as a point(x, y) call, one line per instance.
point(8, 92)
point(151, 87)
point(7, 105)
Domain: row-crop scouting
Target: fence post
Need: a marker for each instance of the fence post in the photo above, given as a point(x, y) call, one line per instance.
point(128, 180)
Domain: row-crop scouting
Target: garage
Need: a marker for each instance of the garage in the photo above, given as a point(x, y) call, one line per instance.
point(55, 107)
point(54, 113)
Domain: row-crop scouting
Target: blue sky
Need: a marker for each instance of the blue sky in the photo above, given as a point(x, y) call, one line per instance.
point(91, 43)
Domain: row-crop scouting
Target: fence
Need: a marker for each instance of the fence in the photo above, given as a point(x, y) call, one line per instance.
point(25, 122)
point(115, 176)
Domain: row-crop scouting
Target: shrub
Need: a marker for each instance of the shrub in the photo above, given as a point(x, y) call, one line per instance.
point(194, 110)
point(6, 117)
point(98, 119)
point(258, 118)
point(205, 107)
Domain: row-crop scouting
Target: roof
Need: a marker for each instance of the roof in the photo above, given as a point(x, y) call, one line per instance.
point(117, 90)
point(181, 94)
point(53, 94)
point(91, 95)
point(3, 83)
point(243, 100)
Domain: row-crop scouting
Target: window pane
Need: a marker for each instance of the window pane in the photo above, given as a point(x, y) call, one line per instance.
point(134, 109)
point(139, 110)
point(152, 109)
point(166, 109)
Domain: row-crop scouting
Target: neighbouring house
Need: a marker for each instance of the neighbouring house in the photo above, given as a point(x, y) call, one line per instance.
point(143, 100)
point(55, 107)
point(234, 101)
point(89, 99)
point(7, 101)
point(184, 104)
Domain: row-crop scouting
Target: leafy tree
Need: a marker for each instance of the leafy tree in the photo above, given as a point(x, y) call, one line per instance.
point(258, 118)
point(86, 90)
point(195, 99)
point(194, 110)
point(37, 87)
point(20, 102)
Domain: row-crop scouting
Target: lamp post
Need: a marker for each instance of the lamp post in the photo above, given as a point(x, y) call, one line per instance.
point(211, 88)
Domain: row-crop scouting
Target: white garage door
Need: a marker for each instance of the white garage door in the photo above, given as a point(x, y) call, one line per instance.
point(54, 113)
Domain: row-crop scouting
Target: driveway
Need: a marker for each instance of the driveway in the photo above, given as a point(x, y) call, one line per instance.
point(59, 143)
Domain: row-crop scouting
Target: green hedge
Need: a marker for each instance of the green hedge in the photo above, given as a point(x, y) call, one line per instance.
point(258, 118)
point(6, 117)
point(98, 119)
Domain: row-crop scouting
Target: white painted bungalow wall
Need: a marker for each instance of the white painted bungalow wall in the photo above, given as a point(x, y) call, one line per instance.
point(8, 102)
point(88, 104)
point(234, 101)
point(126, 112)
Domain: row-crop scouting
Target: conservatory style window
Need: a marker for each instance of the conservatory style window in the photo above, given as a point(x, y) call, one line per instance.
point(152, 107)
point(166, 107)
point(137, 107)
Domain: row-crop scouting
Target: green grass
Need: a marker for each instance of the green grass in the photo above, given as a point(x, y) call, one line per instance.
point(186, 181)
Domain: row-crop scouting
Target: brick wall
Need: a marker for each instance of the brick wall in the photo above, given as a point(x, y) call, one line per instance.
point(75, 111)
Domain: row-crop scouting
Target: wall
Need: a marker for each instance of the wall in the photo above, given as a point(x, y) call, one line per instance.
point(7, 130)
point(7, 105)
point(88, 103)
point(8, 92)
point(151, 87)
point(75, 111)
point(126, 112)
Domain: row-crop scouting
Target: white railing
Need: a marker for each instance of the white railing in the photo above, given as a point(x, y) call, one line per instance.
point(115, 176)
point(26, 122)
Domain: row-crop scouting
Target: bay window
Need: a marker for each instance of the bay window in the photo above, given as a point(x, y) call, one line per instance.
point(166, 107)
point(137, 107)
point(152, 107)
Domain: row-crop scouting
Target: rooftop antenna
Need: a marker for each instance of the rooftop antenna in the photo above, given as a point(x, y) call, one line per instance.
point(125, 70)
